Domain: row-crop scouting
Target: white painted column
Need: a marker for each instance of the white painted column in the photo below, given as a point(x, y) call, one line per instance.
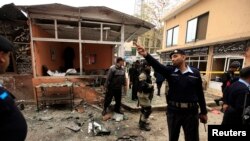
point(80, 46)
point(32, 49)
point(121, 50)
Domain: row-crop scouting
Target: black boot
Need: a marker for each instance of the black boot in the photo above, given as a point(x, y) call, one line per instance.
point(144, 126)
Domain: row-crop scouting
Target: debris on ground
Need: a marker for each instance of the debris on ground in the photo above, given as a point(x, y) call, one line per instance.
point(46, 118)
point(215, 111)
point(59, 128)
point(49, 127)
point(131, 138)
point(118, 117)
point(20, 104)
point(94, 106)
point(96, 128)
point(74, 127)
point(80, 109)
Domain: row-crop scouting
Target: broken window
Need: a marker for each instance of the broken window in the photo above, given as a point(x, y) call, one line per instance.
point(43, 28)
point(111, 32)
point(90, 31)
point(67, 29)
point(221, 64)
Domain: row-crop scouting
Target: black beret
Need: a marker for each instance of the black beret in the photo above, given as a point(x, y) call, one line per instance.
point(5, 44)
point(177, 51)
point(245, 72)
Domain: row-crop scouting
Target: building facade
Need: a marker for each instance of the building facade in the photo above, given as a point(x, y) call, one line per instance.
point(213, 33)
point(151, 40)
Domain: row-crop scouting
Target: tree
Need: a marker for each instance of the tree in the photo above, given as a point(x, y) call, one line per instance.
point(153, 10)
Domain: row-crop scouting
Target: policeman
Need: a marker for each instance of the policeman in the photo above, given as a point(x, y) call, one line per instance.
point(228, 78)
point(159, 80)
point(135, 80)
point(145, 95)
point(235, 98)
point(13, 126)
point(185, 93)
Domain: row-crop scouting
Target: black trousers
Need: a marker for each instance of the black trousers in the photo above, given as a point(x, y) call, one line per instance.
point(189, 123)
point(117, 93)
point(232, 117)
point(134, 90)
point(159, 84)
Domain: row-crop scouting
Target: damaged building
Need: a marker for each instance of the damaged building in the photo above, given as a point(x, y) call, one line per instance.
point(74, 46)
point(18, 78)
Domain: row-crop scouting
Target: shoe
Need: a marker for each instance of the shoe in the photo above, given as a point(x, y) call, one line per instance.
point(217, 101)
point(104, 112)
point(158, 95)
point(144, 126)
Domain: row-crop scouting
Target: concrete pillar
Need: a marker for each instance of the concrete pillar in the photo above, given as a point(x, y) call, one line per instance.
point(121, 47)
point(209, 63)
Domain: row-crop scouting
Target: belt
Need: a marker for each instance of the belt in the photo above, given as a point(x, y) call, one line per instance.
point(182, 104)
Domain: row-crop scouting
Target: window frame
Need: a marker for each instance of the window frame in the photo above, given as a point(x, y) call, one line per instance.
point(195, 31)
point(172, 36)
point(198, 18)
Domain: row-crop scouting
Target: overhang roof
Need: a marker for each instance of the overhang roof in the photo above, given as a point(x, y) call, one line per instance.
point(133, 26)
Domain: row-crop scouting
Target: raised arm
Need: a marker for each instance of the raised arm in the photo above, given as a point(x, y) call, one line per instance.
point(158, 67)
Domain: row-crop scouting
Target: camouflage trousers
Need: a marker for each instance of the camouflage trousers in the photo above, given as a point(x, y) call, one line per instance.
point(145, 103)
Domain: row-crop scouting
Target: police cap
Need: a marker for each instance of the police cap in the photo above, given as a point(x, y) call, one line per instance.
point(5, 44)
point(177, 51)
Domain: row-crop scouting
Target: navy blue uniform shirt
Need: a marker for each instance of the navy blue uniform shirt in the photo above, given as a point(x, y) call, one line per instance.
point(13, 126)
point(183, 87)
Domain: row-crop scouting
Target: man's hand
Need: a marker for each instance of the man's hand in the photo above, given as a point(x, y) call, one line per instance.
point(141, 50)
point(203, 118)
point(224, 107)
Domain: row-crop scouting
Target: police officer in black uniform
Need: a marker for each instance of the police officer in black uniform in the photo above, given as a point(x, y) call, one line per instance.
point(184, 95)
point(135, 80)
point(13, 126)
point(228, 78)
point(235, 99)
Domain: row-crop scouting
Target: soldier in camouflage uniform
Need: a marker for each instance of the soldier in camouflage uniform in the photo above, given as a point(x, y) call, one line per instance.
point(145, 95)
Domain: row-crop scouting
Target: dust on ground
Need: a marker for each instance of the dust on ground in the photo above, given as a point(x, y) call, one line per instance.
point(50, 125)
